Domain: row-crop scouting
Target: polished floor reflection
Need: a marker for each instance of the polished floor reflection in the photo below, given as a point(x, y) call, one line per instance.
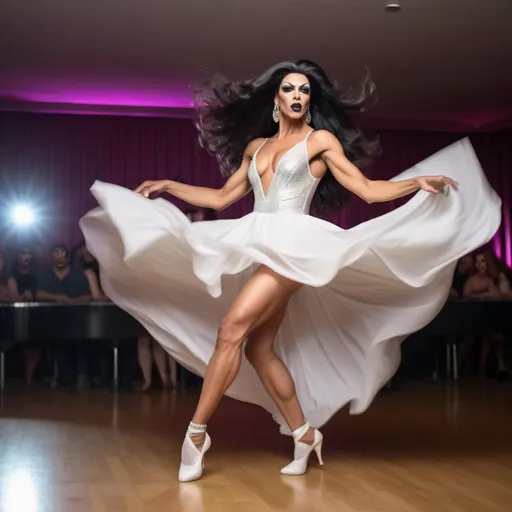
point(420, 448)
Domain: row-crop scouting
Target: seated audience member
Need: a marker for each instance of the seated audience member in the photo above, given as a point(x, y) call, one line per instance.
point(489, 283)
point(501, 275)
point(24, 273)
point(464, 270)
point(83, 259)
point(63, 283)
point(8, 289)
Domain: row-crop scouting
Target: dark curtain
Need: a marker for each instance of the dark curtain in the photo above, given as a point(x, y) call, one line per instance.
point(50, 162)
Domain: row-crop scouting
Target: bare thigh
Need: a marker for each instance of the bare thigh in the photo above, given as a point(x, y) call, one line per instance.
point(263, 296)
point(261, 340)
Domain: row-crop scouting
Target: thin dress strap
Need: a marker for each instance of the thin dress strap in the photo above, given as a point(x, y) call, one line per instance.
point(253, 159)
point(256, 152)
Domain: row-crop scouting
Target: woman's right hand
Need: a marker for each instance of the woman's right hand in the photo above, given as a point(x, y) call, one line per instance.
point(151, 187)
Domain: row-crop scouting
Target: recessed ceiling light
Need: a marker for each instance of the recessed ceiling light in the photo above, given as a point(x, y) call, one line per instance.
point(392, 6)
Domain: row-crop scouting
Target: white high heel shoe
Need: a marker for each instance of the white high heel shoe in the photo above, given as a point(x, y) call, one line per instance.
point(192, 459)
point(302, 451)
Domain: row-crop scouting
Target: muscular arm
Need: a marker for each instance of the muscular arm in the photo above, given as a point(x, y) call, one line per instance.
point(349, 176)
point(236, 187)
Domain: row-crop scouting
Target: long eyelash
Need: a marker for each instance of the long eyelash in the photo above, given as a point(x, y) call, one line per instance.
point(304, 89)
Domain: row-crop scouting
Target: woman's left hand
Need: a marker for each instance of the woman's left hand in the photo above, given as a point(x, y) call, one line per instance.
point(436, 184)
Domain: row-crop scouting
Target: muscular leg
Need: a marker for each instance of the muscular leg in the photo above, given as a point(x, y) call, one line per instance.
point(274, 375)
point(263, 295)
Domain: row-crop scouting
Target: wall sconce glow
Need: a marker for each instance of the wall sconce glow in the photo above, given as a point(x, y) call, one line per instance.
point(22, 215)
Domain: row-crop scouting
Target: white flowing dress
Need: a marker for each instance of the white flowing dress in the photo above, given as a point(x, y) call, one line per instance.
point(366, 288)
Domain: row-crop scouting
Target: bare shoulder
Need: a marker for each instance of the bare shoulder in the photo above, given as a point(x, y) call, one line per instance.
point(324, 140)
point(253, 146)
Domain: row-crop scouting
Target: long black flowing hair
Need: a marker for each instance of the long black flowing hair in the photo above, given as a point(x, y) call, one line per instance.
point(231, 114)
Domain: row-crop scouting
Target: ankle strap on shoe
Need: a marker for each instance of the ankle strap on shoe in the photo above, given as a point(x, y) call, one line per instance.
point(196, 428)
point(299, 433)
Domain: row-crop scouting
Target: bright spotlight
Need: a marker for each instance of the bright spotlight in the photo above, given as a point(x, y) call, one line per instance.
point(22, 215)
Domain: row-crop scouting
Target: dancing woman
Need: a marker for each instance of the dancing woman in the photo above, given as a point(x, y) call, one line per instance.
point(324, 292)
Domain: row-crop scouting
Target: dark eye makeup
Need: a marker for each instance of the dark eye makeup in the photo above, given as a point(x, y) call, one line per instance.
point(304, 89)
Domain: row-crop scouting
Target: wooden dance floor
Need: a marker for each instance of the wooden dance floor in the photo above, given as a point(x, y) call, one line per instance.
point(420, 448)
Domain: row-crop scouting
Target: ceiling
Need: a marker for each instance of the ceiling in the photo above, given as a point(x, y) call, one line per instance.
point(438, 64)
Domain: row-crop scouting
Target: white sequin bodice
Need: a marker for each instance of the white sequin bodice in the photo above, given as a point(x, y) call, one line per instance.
point(292, 187)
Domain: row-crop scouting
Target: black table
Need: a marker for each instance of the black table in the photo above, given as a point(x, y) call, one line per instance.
point(463, 316)
point(32, 321)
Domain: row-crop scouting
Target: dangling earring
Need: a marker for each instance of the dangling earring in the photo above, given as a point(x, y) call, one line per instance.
point(275, 113)
point(308, 116)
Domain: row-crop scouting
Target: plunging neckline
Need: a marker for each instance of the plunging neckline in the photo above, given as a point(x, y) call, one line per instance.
point(274, 173)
